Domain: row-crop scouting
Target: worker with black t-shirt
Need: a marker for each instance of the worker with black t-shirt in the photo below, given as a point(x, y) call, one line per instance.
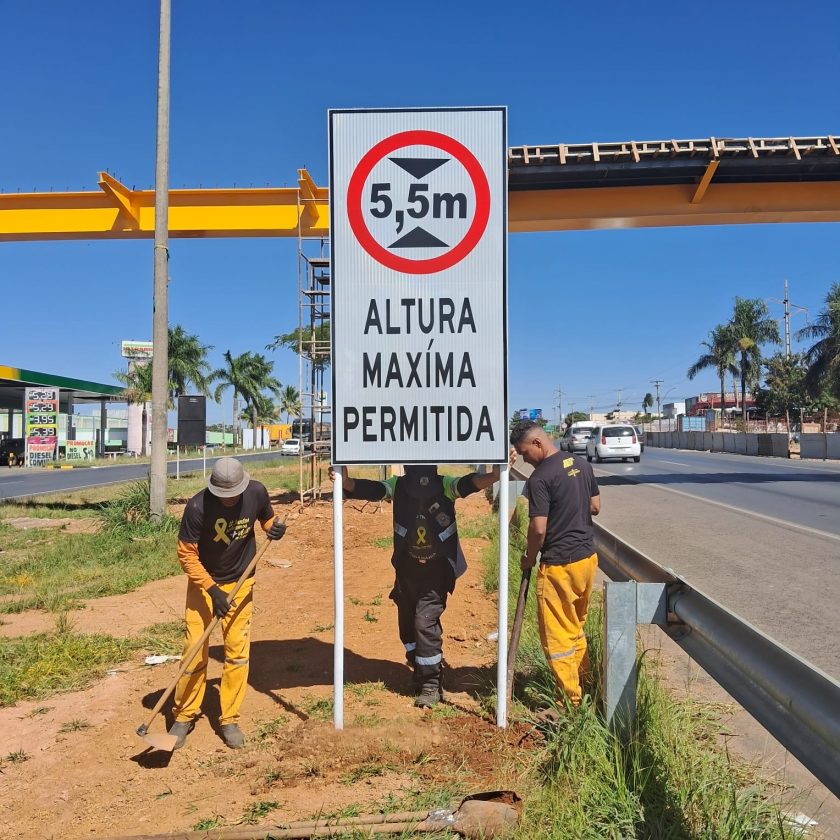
point(427, 558)
point(563, 496)
point(215, 545)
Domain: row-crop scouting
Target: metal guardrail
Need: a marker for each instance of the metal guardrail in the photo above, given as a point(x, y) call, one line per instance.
point(796, 702)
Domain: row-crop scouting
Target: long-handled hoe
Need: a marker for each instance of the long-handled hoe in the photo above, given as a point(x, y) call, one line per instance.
point(167, 741)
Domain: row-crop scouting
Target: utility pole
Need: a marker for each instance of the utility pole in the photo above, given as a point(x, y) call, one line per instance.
point(657, 383)
point(559, 395)
point(160, 316)
point(591, 398)
point(787, 321)
point(618, 404)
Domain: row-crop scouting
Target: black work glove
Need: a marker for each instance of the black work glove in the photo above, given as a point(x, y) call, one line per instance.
point(220, 601)
point(276, 531)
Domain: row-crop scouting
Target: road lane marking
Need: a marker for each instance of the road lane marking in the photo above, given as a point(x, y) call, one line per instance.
point(678, 463)
point(763, 516)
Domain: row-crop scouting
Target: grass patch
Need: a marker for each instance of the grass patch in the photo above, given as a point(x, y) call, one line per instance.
point(207, 823)
point(42, 664)
point(382, 542)
point(320, 708)
point(128, 513)
point(370, 617)
point(17, 757)
point(269, 729)
point(257, 811)
point(480, 527)
point(57, 572)
point(75, 725)
point(671, 779)
point(322, 628)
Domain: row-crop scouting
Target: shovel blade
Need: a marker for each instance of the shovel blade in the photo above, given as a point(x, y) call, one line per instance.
point(163, 741)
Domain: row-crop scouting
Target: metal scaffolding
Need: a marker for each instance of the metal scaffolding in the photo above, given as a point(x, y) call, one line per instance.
point(314, 421)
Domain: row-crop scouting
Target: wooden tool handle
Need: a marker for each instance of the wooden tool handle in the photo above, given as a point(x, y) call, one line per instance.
point(516, 630)
point(187, 661)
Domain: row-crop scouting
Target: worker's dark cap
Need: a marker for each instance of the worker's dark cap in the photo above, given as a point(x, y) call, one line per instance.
point(422, 480)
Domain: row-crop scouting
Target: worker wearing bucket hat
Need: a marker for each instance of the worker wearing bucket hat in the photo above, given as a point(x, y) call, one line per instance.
point(215, 545)
point(427, 558)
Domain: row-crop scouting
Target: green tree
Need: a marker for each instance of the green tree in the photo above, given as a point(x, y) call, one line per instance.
point(187, 363)
point(823, 356)
point(137, 390)
point(785, 386)
point(317, 351)
point(720, 356)
point(290, 403)
point(236, 374)
point(751, 327)
point(262, 379)
point(647, 402)
point(575, 417)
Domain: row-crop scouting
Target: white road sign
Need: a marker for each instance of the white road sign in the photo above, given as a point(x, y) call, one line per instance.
point(418, 222)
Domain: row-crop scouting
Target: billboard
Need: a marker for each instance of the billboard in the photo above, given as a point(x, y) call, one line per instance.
point(41, 433)
point(136, 349)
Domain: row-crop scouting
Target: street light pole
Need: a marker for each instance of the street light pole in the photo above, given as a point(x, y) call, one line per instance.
point(160, 317)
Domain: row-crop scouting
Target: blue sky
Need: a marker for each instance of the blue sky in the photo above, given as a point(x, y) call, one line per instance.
point(592, 312)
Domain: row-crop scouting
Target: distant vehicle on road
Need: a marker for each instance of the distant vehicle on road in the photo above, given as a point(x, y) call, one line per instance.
point(576, 437)
point(290, 447)
point(640, 434)
point(12, 452)
point(302, 431)
point(619, 441)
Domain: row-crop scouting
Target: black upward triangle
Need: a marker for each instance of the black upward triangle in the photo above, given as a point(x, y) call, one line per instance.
point(419, 167)
point(418, 238)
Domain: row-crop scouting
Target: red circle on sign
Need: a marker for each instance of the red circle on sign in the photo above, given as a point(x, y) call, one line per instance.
point(418, 138)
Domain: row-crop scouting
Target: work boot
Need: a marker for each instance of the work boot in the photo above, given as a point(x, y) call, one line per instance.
point(428, 697)
point(233, 735)
point(180, 729)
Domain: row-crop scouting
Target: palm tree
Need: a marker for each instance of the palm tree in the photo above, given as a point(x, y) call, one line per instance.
point(647, 403)
point(187, 362)
point(262, 379)
point(720, 355)
point(290, 402)
point(137, 391)
point(236, 374)
point(823, 356)
point(750, 327)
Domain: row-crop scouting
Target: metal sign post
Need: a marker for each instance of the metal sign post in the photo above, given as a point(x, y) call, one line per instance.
point(338, 590)
point(418, 223)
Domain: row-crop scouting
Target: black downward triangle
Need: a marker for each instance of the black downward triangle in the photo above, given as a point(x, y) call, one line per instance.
point(419, 167)
point(418, 238)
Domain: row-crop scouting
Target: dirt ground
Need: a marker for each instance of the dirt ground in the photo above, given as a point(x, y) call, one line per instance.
point(101, 780)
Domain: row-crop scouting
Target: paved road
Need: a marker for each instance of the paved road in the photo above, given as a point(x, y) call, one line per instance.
point(16, 483)
point(759, 535)
point(802, 493)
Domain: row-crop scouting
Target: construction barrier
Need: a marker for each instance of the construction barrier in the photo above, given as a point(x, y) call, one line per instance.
point(820, 445)
point(770, 445)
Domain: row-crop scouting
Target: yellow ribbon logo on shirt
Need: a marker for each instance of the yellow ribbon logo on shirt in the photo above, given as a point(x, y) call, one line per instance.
point(220, 527)
point(421, 536)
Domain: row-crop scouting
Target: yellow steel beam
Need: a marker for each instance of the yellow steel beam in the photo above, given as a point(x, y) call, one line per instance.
point(603, 208)
point(116, 212)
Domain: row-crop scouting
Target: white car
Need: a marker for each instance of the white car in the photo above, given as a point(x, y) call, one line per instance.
point(618, 441)
point(290, 447)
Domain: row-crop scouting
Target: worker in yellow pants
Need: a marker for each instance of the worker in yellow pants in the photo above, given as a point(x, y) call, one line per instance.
point(563, 496)
point(236, 629)
point(216, 544)
point(562, 604)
